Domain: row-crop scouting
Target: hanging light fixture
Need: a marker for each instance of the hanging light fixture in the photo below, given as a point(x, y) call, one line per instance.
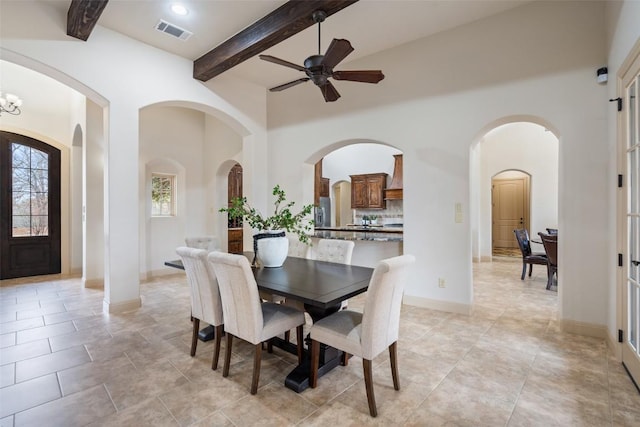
point(10, 103)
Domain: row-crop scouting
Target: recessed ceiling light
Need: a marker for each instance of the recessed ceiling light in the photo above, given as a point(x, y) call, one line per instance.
point(179, 9)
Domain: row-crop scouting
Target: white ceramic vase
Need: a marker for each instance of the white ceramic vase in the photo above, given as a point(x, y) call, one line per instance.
point(272, 251)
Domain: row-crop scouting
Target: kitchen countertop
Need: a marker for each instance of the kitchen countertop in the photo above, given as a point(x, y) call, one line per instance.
point(362, 229)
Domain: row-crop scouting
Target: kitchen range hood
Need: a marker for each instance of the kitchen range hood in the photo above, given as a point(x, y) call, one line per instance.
point(394, 190)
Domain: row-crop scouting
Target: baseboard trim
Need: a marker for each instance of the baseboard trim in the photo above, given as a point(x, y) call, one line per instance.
point(452, 307)
point(583, 328)
point(93, 283)
point(121, 307)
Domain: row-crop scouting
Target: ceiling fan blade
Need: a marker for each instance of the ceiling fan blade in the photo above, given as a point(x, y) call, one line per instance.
point(364, 76)
point(279, 61)
point(337, 51)
point(288, 85)
point(329, 92)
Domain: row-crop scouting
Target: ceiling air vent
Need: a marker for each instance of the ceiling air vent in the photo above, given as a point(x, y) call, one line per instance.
point(173, 30)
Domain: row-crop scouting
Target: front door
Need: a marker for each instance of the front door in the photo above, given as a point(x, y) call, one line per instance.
point(631, 222)
point(29, 207)
point(509, 210)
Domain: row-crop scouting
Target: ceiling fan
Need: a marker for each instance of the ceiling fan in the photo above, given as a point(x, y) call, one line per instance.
point(319, 68)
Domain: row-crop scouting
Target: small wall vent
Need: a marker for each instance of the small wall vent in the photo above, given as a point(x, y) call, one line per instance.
point(173, 30)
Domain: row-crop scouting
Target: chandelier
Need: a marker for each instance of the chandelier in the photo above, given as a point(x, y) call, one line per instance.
point(10, 103)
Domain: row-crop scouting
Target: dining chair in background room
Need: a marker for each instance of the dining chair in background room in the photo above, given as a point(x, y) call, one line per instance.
point(369, 333)
point(246, 317)
point(528, 257)
point(552, 231)
point(550, 242)
point(206, 304)
point(209, 243)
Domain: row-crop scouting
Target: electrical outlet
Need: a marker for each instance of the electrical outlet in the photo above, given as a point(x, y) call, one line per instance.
point(441, 282)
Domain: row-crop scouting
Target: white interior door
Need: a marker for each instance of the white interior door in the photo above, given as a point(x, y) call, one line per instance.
point(631, 223)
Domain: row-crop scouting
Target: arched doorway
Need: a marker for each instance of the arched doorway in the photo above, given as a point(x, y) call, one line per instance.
point(30, 234)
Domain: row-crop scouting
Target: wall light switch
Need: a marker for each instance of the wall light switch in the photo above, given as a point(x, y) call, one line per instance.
point(458, 212)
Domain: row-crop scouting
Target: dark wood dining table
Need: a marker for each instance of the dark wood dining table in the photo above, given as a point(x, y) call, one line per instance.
point(321, 286)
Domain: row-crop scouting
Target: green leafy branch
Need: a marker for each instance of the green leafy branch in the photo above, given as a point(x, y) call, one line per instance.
point(282, 218)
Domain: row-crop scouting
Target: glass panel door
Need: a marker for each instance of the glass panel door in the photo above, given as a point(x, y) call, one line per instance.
point(631, 294)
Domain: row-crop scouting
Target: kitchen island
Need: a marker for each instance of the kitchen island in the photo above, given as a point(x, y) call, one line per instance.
point(372, 244)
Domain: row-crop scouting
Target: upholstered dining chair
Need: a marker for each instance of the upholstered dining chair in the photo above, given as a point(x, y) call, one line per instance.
point(210, 243)
point(246, 317)
point(297, 248)
point(206, 304)
point(338, 251)
point(552, 230)
point(333, 250)
point(369, 333)
point(550, 242)
point(528, 257)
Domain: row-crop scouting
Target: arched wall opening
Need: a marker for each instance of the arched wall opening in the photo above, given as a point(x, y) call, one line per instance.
point(520, 143)
point(342, 159)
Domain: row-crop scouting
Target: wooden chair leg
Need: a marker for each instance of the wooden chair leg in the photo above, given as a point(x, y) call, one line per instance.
point(345, 358)
point(269, 346)
point(227, 356)
point(393, 356)
point(524, 270)
point(194, 336)
point(368, 383)
point(315, 358)
point(287, 336)
point(216, 352)
point(257, 358)
point(300, 342)
point(530, 269)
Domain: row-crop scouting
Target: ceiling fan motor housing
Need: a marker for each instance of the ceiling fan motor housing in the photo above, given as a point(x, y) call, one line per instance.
point(317, 72)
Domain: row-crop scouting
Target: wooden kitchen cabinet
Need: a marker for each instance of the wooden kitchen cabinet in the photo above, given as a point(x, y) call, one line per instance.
point(235, 241)
point(367, 191)
point(324, 187)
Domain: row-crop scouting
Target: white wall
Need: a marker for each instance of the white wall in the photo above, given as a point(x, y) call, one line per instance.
point(441, 94)
point(529, 148)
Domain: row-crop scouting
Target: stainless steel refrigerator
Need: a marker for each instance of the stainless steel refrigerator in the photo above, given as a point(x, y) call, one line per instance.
point(322, 213)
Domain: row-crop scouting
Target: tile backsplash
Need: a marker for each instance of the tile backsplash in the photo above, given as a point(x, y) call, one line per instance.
point(391, 215)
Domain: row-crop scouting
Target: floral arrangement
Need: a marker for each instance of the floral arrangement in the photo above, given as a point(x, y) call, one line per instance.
point(281, 219)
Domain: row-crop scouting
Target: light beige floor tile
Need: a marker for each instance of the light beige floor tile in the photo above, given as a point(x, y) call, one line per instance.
point(7, 375)
point(24, 351)
point(7, 340)
point(44, 332)
point(53, 362)
point(75, 410)
point(147, 413)
point(28, 394)
point(90, 374)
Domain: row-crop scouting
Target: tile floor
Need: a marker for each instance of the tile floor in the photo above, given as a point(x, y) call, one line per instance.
point(65, 363)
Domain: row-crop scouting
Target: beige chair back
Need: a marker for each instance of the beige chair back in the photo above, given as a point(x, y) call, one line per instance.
point(338, 251)
point(297, 248)
point(240, 298)
point(206, 303)
point(381, 313)
point(209, 243)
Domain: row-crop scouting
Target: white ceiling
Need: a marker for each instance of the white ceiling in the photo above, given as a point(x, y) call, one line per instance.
point(370, 25)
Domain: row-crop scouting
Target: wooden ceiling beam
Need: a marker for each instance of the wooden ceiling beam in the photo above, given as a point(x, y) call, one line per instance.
point(82, 16)
point(287, 20)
